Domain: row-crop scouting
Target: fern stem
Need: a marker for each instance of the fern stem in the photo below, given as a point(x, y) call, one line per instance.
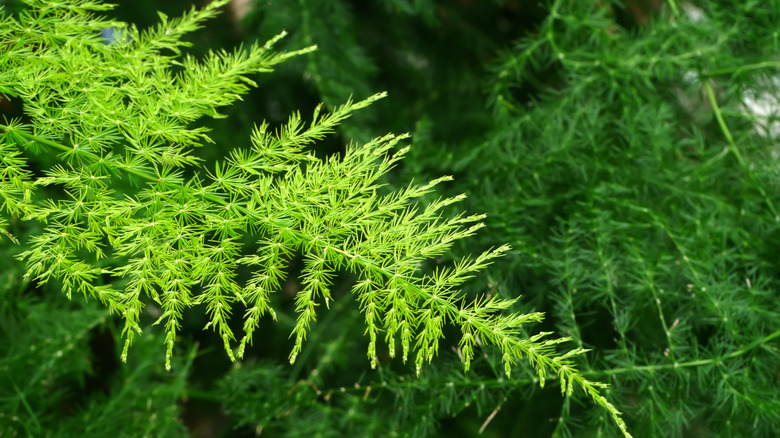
point(733, 146)
point(694, 363)
point(721, 122)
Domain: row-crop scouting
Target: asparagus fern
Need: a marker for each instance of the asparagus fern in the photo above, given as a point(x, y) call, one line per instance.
point(106, 159)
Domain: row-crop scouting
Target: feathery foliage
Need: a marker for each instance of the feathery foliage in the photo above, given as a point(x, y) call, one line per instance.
point(104, 169)
point(629, 156)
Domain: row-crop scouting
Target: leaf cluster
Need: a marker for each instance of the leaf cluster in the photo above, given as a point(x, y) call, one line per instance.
point(105, 160)
point(630, 159)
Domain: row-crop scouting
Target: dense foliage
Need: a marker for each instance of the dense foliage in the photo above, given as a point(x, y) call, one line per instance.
point(625, 150)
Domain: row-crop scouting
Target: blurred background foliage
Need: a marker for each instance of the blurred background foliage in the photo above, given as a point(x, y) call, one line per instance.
point(626, 150)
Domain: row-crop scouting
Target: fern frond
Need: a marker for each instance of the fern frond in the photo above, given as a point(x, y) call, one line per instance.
point(133, 220)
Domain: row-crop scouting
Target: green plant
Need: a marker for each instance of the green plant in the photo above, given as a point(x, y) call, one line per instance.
point(102, 183)
point(629, 154)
